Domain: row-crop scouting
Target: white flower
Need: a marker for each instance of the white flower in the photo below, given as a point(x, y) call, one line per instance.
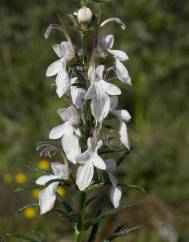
point(119, 56)
point(123, 116)
point(88, 160)
point(47, 196)
point(68, 132)
point(99, 91)
point(115, 193)
point(77, 94)
point(65, 52)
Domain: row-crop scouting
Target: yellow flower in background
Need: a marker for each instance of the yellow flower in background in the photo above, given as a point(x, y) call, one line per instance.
point(7, 178)
point(35, 192)
point(61, 191)
point(30, 213)
point(20, 178)
point(43, 164)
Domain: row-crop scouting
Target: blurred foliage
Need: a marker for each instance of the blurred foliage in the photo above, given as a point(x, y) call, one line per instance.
point(157, 41)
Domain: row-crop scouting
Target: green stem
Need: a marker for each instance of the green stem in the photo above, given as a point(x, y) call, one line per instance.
point(77, 235)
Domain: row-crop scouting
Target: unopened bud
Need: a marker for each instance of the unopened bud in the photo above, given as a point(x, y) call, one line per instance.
point(84, 16)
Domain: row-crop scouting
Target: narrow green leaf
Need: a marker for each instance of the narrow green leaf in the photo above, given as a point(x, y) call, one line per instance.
point(65, 204)
point(90, 200)
point(133, 186)
point(28, 187)
point(63, 182)
point(123, 157)
point(28, 206)
point(111, 212)
point(123, 232)
point(94, 187)
point(36, 170)
point(72, 217)
point(77, 84)
point(95, 227)
point(24, 237)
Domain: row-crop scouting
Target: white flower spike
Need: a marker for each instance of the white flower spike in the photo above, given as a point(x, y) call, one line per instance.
point(47, 196)
point(88, 160)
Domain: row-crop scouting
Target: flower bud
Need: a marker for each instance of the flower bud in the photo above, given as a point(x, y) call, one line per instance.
point(84, 16)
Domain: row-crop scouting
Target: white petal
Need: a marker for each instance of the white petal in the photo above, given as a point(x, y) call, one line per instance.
point(117, 20)
point(99, 72)
point(78, 96)
point(89, 143)
point(113, 102)
point(54, 68)
point(124, 135)
point(47, 198)
point(78, 132)
point(44, 179)
point(84, 175)
point(57, 132)
point(71, 147)
point(119, 55)
point(99, 145)
point(98, 162)
point(110, 88)
point(111, 165)
point(84, 157)
point(122, 115)
point(122, 73)
point(67, 50)
point(115, 196)
point(90, 92)
point(100, 104)
point(91, 73)
point(57, 49)
point(62, 82)
point(108, 41)
point(60, 170)
point(69, 114)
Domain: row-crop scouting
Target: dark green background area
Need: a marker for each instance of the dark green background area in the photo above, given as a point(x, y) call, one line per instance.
point(157, 42)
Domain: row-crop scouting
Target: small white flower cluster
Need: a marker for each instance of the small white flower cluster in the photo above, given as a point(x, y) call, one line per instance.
point(102, 97)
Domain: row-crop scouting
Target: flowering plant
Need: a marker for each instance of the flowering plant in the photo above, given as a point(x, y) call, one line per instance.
point(84, 142)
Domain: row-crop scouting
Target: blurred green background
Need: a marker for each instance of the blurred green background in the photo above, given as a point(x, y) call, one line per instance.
point(157, 42)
